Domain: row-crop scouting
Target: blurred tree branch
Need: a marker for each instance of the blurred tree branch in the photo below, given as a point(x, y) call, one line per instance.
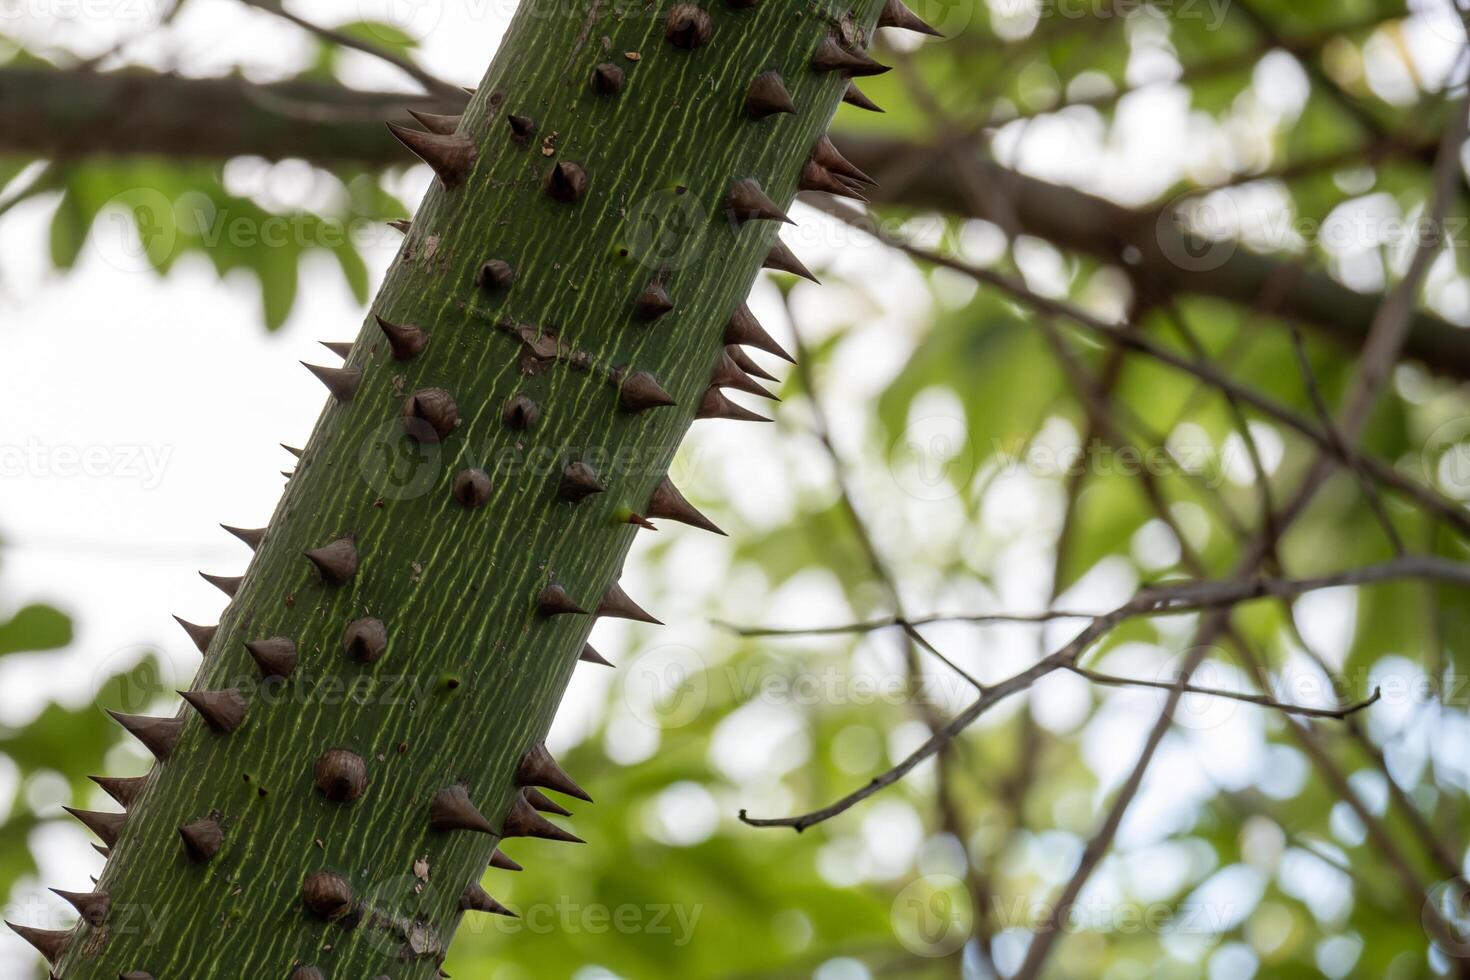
point(64, 115)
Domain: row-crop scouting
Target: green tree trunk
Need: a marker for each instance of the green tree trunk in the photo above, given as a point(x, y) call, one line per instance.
point(367, 716)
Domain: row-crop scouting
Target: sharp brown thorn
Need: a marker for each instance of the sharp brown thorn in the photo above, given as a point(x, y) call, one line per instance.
point(405, 341)
point(782, 259)
point(832, 56)
point(767, 95)
point(578, 481)
point(201, 635)
point(158, 735)
point(688, 26)
point(619, 605)
point(747, 363)
point(715, 405)
point(855, 96)
point(538, 768)
point(336, 561)
point(50, 943)
point(895, 14)
point(591, 656)
point(91, 906)
point(228, 584)
point(543, 803)
point(202, 839)
point(608, 79)
point(223, 711)
point(727, 374)
point(476, 899)
point(566, 182)
point(640, 391)
point(815, 177)
point(451, 157)
point(342, 382)
point(123, 789)
point(653, 302)
point(524, 821)
point(435, 123)
point(495, 275)
point(668, 503)
point(555, 601)
point(365, 640)
point(500, 861)
point(107, 826)
point(451, 809)
point(746, 330)
point(275, 656)
point(825, 152)
point(252, 536)
point(746, 201)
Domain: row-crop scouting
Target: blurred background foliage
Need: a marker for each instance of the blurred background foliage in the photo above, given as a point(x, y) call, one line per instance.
point(1311, 113)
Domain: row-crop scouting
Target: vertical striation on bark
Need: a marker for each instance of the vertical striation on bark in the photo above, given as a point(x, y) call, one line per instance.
point(366, 726)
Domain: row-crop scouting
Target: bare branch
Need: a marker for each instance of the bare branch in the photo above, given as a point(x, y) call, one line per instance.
point(1217, 596)
point(1384, 473)
point(430, 83)
point(1112, 680)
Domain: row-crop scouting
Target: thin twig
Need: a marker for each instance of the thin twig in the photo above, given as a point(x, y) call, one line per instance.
point(1382, 472)
point(1112, 680)
point(430, 82)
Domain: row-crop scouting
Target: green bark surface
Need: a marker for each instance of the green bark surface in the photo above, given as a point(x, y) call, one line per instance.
point(457, 588)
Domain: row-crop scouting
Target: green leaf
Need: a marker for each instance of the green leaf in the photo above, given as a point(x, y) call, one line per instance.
point(34, 628)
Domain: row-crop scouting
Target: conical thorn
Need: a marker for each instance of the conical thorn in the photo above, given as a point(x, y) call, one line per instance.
point(524, 821)
point(669, 504)
point(617, 604)
point(201, 635)
point(714, 405)
point(107, 826)
point(451, 809)
point(746, 330)
point(223, 711)
point(451, 157)
point(767, 95)
point(538, 768)
point(782, 259)
point(746, 201)
point(158, 735)
point(252, 536)
point(895, 14)
point(406, 341)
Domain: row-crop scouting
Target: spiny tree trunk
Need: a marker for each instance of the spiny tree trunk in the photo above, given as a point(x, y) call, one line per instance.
point(366, 725)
